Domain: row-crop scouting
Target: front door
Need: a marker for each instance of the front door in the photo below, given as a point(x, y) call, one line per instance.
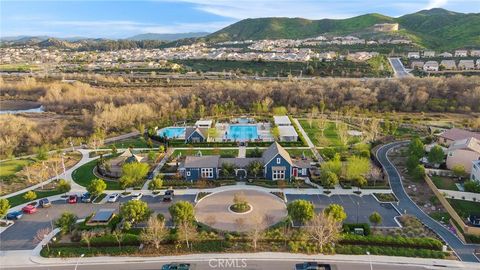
point(295, 172)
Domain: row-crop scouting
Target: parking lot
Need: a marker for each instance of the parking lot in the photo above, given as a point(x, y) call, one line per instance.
point(366, 205)
point(21, 235)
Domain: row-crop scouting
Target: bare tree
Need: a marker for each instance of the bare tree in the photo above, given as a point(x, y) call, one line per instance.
point(41, 235)
point(87, 237)
point(323, 229)
point(257, 230)
point(188, 231)
point(118, 237)
point(375, 174)
point(155, 232)
point(343, 133)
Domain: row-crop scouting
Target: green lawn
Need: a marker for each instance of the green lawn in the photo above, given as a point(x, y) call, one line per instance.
point(18, 199)
point(206, 152)
point(138, 142)
point(465, 208)
point(444, 182)
point(330, 136)
point(84, 176)
point(10, 167)
point(299, 152)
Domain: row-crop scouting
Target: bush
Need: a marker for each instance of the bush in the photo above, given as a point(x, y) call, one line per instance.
point(389, 251)
point(395, 241)
point(350, 227)
point(472, 186)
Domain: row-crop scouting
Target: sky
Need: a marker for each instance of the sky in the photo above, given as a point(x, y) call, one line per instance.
point(123, 18)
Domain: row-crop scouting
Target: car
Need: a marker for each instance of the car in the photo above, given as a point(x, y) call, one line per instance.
point(29, 209)
point(44, 203)
point(86, 198)
point(312, 266)
point(176, 266)
point(168, 196)
point(113, 197)
point(15, 215)
point(137, 196)
point(150, 176)
point(72, 199)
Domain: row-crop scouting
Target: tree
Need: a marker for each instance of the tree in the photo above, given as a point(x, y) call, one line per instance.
point(357, 166)
point(436, 155)
point(154, 233)
point(41, 235)
point(342, 132)
point(336, 212)
point(119, 236)
point(228, 169)
point(334, 165)
point(63, 186)
point(254, 168)
point(66, 222)
point(42, 153)
point(459, 171)
point(182, 211)
point(4, 207)
point(416, 148)
point(359, 181)
point(87, 237)
point(133, 173)
point(276, 133)
point(472, 186)
point(135, 211)
point(256, 232)
point(301, 211)
point(375, 218)
point(30, 195)
point(96, 187)
point(418, 173)
point(156, 183)
point(323, 229)
point(328, 179)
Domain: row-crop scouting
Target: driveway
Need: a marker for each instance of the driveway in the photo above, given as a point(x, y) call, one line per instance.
point(464, 251)
point(20, 236)
point(398, 68)
point(358, 208)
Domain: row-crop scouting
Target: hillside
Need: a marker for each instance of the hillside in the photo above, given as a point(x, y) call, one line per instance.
point(435, 28)
point(168, 37)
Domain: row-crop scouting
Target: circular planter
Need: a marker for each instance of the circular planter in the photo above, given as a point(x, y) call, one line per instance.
point(231, 209)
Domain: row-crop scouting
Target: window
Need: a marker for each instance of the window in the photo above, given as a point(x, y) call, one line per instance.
point(304, 171)
point(279, 160)
point(188, 173)
point(278, 174)
point(207, 172)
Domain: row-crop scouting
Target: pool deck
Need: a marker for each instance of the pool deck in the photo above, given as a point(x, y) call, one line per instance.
point(263, 131)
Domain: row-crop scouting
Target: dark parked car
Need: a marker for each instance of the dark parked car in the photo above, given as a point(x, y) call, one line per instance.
point(176, 266)
point(86, 197)
point(15, 215)
point(72, 199)
point(312, 266)
point(168, 196)
point(44, 203)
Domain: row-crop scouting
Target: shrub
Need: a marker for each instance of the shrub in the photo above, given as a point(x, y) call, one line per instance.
point(350, 227)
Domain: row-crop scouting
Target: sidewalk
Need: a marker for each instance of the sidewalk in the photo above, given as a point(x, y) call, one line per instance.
point(461, 195)
point(309, 142)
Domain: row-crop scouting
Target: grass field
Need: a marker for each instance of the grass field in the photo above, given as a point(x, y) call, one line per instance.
point(84, 176)
point(18, 199)
point(465, 208)
point(138, 142)
point(10, 167)
point(444, 182)
point(330, 136)
point(18, 67)
point(299, 152)
point(206, 152)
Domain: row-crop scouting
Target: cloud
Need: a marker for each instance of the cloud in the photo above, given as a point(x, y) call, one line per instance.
point(436, 4)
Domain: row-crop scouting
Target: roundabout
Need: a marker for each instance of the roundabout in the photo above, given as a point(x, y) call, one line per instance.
point(217, 210)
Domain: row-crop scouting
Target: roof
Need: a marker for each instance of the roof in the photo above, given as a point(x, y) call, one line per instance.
point(273, 150)
point(287, 131)
point(281, 120)
point(102, 215)
point(203, 123)
point(431, 63)
point(471, 144)
point(190, 130)
point(456, 134)
point(301, 163)
point(239, 162)
point(201, 162)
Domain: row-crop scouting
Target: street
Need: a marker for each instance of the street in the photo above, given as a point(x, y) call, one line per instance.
point(398, 68)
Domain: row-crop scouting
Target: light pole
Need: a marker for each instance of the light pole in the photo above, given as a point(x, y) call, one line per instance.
point(370, 259)
point(81, 256)
point(358, 205)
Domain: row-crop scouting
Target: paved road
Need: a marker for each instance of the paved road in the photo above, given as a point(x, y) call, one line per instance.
point(464, 251)
point(398, 68)
point(235, 264)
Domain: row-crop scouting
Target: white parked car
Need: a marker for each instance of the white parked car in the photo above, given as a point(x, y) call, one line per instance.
point(137, 196)
point(113, 197)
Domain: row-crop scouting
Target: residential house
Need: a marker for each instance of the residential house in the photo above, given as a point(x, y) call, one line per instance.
point(475, 174)
point(429, 54)
point(204, 123)
point(196, 135)
point(430, 66)
point(463, 153)
point(417, 64)
point(475, 53)
point(287, 134)
point(281, 120)
point(449, 136)
point(448, 64)
point(461, 53)
point(415, 55)
point(478, 63)
point(446, 55)
point(277, 165)
point(466, 64)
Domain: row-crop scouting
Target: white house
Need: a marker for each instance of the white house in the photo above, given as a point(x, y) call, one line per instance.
point(429, 54)
point(204, 123)
point(417, 64)
point(415, 55)
point(430, 66)
point(287, 134)
point(475, 176)
point(466, 64)
point(446, 55)
point(448, 64)
point(461, 53)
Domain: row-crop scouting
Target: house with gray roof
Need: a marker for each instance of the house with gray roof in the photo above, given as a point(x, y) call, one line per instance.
point(448, 64)
point(466, 64)
point(196, 135)
point(276, 161)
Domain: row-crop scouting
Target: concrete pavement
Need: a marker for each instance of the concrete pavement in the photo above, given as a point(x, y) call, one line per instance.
point(398, 68)
point(406, 205)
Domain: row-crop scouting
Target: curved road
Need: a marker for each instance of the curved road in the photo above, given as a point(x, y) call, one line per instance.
point(398, 68)
point(463, 251)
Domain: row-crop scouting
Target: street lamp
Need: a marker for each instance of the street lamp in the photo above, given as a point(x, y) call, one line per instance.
point(370, 259)
point(81, 256)
point(358, 205)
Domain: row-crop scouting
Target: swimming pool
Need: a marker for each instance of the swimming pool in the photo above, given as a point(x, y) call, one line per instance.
point(242, 132)
point(172, 132)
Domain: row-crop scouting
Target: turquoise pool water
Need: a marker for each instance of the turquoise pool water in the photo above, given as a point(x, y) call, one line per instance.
point(172, 132)
point(242, 132)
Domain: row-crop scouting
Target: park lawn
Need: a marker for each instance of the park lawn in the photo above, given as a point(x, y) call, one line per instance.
point(299, 152)
point(84, 176)
point(18, 199)
point(444, 182)
point(10, 167)
point(225, 153)
point(138, 142)
point(330, 136)
point(465, 208)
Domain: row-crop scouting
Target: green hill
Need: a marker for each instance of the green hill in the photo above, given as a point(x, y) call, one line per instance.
point(435, 28)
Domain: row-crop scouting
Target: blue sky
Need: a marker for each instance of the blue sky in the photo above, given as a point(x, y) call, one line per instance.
point(120, 19)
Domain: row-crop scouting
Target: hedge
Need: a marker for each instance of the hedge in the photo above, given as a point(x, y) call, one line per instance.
point(389, 251)
point(350, 227)
point(397, 241)
point(75, 251)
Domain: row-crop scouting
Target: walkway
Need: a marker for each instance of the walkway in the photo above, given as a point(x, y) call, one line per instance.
point(159, 167)
point(242, 152)
point(461, 195)
point(309, 142)
point(398, 68)
point(406, 205)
